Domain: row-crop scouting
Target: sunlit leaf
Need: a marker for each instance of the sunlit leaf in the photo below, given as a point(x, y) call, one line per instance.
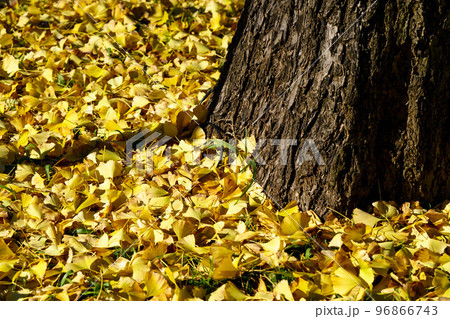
point(225, 269)
point(91, 200)
point(362, 217)
point(344, 281)
point(39, 269)
point(5, 252)
point(10, 64)
point(433, 245)
point(155, 284)
point(81, 263)
point(283, 289)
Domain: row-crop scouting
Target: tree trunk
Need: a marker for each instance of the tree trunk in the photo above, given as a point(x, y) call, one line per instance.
point(366, 82)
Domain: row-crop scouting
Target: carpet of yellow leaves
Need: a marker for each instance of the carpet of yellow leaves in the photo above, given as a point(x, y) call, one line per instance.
point(78, 223)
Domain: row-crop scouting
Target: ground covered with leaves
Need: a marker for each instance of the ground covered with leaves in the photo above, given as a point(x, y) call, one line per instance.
point(81, 219)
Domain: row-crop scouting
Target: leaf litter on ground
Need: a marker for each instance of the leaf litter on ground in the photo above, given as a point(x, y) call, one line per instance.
point(78, 223)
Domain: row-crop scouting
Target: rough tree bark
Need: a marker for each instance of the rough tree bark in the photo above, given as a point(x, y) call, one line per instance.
point(376, 103)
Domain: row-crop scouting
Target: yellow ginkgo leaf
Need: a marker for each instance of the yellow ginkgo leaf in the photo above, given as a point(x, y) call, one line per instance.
point(219, 294)
point(75, 181)
point(361, 217)
point(236, 208)
point(140, 101)
point(37, 181)
point(63, 296)
point(159, 202)
point(140, 268)
point(366, 272)
point(10, 64)
point(30, 101)
point(154, 191)
point(225, 269)
point(336, 241)
point(35, 211)
point(105, 155)
point(440, 282)
point(201, 48)
point(155, 284)
point(116, 82)
point(102, 242)
point(91, 200)
point(110, 169)
point(55, 250)
point(81, 263)
point(294, 222)
point(433, 245)
point(97, 10)
point(77, 246)
point(182, 228)
point(344, 281)
point(117, 237)
point(171, 276)
point(187, 243)
point(272, 246)
point(39, 269)
point(95, 71)
point(283, 289)
point(7, 265)
point(6, 39)
point(48, 74)
point(232, 293)
point(385, 209)
point(112, 125)
point(5, 252)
